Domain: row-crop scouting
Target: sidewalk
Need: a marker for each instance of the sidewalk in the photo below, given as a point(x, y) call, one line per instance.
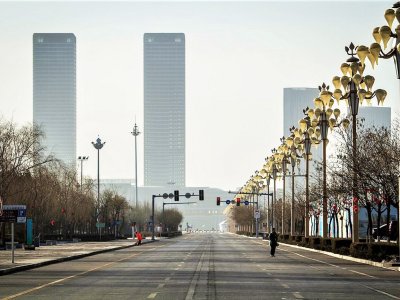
point(46, 255)
point(385, 265)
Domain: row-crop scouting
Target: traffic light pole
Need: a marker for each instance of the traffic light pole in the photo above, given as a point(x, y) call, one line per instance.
point(172, 203)
point(165, 196)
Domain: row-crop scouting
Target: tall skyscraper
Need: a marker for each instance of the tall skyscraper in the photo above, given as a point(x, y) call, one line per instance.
point(164, 109)
point(54, 92)
point(377, 116)
point(294, 101)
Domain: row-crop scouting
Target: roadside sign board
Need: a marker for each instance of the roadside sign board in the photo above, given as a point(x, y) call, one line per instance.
point(100, 225)
point(257, 214)
point(14, 214)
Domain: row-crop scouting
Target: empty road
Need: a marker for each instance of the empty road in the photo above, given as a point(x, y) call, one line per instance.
point(204, 266)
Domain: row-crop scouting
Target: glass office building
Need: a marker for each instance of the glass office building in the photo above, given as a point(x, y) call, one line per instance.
point(164, 109)
point(54, 92)
point(294, 101)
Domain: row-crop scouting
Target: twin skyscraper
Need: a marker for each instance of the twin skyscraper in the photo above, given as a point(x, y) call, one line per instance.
point(54, 101)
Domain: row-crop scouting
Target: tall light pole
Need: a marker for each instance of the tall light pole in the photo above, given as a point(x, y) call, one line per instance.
point(356, 88)
point(305, 124)
point(82, 159)
point(135, 133)
point(98, 145)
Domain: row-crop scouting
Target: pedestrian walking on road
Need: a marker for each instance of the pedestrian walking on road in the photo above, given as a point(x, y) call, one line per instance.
point(139, 238)
point(273, 241)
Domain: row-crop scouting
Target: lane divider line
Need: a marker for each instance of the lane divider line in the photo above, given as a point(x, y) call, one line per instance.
point(381, 292)
point(297, 295)
point(152, 295)
point(72, 276)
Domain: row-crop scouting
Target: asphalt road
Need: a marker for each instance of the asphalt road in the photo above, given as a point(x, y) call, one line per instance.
point(204, 266)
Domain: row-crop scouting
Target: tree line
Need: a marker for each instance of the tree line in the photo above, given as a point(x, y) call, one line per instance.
point(56, 202)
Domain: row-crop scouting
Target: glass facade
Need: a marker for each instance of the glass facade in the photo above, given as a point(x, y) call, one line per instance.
point(294, 101)
point(54, 92)
point(164, 109)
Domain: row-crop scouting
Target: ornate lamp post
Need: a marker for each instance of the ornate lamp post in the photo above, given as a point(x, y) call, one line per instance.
point(293, 161)
point(382, 36)
point(304, 138)
point(135, 133)
point(98, 145)
point(356, 88)
point(82, 159)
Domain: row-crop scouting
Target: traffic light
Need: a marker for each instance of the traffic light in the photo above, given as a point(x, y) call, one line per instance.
point(201, 195)
point(237, 201)
point(218, 201)
point(176, 195)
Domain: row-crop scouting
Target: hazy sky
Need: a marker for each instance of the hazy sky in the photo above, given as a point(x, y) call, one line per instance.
point(239, 57)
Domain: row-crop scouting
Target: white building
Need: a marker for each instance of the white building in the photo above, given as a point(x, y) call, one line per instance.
point(54, 92)
point(295, 100)
point(164, 109)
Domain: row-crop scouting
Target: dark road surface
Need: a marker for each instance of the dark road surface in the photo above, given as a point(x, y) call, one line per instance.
point(204, 266)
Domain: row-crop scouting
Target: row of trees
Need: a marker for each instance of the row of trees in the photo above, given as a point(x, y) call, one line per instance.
point(55, 200)
point(377, 167)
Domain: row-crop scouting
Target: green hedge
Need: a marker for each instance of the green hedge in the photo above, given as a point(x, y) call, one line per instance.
point(374, 251)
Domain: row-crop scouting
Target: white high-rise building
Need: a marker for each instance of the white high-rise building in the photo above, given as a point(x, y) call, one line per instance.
point(164, 109)
point(295, 100)
point(54, 92)
point(377, 116)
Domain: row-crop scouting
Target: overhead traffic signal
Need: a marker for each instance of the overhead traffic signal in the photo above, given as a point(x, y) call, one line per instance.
point(201, 194)
point(176, 195)
point(237, 201)
point(218, 201)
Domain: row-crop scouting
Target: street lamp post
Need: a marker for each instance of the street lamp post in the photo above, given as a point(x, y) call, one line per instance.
point(274, 176)
point(292, 227)
point(82, 159)
point(98, 145)
point(268, 218)
point(304, 126)
point(135, 133)
point(357, 87)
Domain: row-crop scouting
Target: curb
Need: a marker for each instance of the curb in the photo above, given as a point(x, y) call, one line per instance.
point(344, 257)
point(62, 259)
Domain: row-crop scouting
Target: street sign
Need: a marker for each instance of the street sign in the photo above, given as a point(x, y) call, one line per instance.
point(13, 214)
point(100, 225)
point(228, 201)
point(246, 202)
point(257, 214)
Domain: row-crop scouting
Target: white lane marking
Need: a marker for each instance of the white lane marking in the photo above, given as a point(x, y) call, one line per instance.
point(193, 283)
point(381, 292)
point(360, 273)
point(329, 264)
point(297, 295)
point(70, 277)
point(167, 279)
point(285, 285)
point(152, 296)
point(176, 269)
point(277, 279)
point(161, 285)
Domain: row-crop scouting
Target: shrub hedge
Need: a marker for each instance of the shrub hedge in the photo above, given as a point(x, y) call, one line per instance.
point(374, 251)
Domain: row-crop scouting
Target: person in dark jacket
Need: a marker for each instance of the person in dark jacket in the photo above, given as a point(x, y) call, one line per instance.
point(273, 241)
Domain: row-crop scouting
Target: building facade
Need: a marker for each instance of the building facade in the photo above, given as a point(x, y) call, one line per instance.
point(164, 109)
point(375, 116)
point(54, 93)
point(295, 100)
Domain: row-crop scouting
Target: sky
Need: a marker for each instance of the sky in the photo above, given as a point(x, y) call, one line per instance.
point(239, 57)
